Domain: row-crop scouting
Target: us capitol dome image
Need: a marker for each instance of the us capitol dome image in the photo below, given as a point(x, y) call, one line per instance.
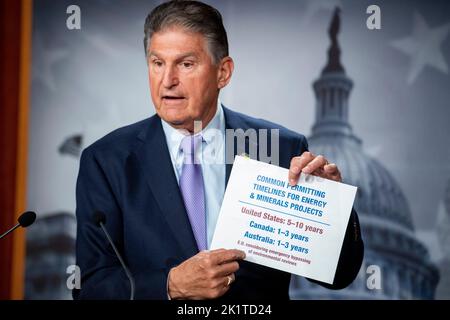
point(392, 251)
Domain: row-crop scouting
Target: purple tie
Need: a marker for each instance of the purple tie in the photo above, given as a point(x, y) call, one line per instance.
point(191, 185)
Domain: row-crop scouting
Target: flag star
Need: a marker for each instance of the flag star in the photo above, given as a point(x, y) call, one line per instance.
point(424, 47)
point(44, 62)
point(105, 46)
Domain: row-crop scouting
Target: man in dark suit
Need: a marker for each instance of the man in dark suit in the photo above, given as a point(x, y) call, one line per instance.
point(161, 198)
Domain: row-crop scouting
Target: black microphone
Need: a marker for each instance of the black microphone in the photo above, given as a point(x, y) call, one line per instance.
point(100, 220)
point(26, 219)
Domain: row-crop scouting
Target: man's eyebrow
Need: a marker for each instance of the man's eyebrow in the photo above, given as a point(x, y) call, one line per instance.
point(153, 53)
point(187, 55)
point(179, 57)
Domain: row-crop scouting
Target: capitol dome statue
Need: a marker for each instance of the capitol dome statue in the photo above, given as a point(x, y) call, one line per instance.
point(396, 265)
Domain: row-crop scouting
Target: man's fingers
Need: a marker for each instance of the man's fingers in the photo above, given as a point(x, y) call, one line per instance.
point(215, 250)
point(297, 165)
point(310, 164)
point(227, 268)
point(220, 257)
point(331, 168)
point(202, 276)
point(230, 279)
point(225, 283)
point(332, 172)
point(318, 163)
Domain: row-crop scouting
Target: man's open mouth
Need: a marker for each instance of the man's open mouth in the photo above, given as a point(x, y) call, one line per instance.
point(173, 97)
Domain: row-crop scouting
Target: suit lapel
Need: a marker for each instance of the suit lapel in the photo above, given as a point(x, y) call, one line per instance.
point(156, 164)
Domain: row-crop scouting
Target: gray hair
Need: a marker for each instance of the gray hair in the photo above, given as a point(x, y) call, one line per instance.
point(193, 16)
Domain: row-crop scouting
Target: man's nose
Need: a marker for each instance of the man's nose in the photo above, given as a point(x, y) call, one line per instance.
point(170, 78)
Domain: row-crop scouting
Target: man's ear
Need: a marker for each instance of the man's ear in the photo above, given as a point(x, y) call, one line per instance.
point(226, 67)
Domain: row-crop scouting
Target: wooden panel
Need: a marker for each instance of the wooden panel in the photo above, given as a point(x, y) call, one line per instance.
point(15, 47)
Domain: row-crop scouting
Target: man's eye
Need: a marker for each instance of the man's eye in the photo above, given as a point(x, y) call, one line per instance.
point(157, 63)
point(187, 65)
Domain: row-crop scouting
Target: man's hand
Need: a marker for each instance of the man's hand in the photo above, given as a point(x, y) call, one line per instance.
point(315, 165)
point(207, 275)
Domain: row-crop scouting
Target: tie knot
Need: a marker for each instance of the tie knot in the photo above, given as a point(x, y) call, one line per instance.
point(190, 145)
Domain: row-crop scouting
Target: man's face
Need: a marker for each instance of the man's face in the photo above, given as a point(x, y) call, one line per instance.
point(184, 82)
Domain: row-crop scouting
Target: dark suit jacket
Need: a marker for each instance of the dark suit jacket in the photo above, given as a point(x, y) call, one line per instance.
point(129, 176)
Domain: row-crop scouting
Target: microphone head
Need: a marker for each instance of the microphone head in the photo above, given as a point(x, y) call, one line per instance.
point(27, 219)
point(99, 217)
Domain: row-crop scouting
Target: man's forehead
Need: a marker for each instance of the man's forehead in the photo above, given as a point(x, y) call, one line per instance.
point(177, 38)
